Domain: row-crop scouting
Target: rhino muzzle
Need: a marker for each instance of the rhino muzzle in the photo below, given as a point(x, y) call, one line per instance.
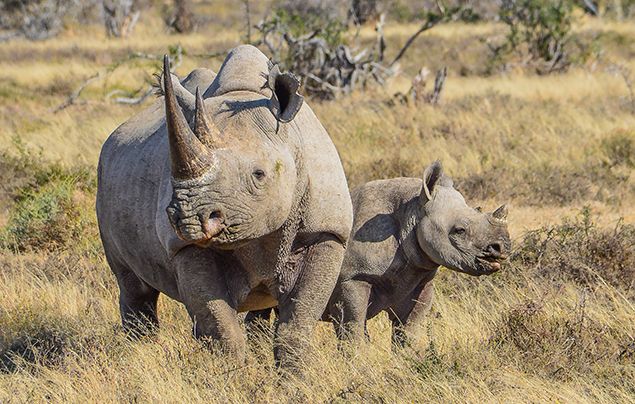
point(197, 227)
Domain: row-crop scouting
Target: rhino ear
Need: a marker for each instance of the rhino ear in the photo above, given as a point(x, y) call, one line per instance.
point(431, 179)
point(285, 101)
point(501, 213)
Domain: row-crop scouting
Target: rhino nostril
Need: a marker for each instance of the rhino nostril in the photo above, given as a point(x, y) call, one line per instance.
point(494, 249)
point(214, 224)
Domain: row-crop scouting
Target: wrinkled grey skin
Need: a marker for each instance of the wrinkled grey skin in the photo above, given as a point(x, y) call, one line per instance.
point(403, 230)
point(239, 204)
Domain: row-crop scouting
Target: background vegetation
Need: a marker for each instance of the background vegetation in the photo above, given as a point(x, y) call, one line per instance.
point(557, 145)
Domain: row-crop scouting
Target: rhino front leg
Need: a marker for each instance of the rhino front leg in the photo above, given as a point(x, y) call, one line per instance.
point(203, 290)
point(301, 307)
point(408, 316)
point(348, 310)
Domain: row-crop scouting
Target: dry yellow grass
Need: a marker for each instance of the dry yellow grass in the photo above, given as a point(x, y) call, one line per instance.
point(59, 309)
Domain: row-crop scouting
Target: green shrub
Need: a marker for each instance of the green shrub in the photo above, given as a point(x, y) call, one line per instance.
point(539, 33)
point(51, 204)
point(299, 21)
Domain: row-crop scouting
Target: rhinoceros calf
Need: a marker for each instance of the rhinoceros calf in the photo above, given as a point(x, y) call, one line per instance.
point(227, 201)
point(403, 230)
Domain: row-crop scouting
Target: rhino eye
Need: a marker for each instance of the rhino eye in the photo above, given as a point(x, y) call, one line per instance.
point(259, 174)
point(459, 230)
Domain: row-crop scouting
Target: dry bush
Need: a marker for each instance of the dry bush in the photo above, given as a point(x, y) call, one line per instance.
point(43, 19)
point(548, 184)
point(619, 148)
point(559, 345)
point(578, 250)
point(35, 20)
point(474, 10)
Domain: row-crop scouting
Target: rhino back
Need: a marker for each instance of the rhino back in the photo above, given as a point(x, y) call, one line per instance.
point(377, 222)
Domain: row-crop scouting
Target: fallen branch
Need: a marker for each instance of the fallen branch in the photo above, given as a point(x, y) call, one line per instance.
point(131, 100)
point(177, 58)
point(73, 97)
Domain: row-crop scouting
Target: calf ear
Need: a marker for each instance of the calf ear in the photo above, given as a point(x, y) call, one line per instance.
point(285, 101)
point(431, 179)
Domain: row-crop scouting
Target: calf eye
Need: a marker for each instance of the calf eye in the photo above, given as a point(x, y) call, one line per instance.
point(259, 174)
point(458, 230)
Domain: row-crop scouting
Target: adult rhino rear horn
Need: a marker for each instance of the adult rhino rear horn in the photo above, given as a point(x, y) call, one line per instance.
point(204, 129)
point(189, 155)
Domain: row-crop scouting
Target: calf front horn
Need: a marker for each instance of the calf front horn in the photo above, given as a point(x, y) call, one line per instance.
point(500, 214)
point(189, 157)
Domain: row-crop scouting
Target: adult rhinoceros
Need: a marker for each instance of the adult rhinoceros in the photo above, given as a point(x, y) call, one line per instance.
point(231, 201)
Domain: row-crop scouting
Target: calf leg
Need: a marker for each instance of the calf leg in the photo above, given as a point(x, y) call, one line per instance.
point(302, 306)
point(137, 304)
point(203, 290)
point(407, 316)
point(348, 310)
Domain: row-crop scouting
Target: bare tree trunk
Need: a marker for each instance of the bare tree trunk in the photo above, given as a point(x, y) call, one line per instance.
point(120, 17)
point(183, 18)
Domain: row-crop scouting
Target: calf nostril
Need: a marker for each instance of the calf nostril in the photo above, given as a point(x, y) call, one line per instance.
point(494, 249)
point(216, 215)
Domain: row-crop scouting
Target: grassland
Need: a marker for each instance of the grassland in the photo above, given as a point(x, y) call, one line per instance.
point(558, 324)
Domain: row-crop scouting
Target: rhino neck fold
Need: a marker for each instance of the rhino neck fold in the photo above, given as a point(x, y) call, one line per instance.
point(284, 274)
point(410, 217)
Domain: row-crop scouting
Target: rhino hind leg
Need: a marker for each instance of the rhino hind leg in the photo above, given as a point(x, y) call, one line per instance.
point(407, 316)
point(137, 305)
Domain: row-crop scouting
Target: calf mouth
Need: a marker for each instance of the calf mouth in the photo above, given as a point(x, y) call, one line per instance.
point(489, 265)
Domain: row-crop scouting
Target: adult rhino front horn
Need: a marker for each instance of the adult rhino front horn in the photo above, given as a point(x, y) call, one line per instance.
point(188, 152)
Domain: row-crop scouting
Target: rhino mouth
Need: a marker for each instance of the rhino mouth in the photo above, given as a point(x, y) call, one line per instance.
point(229, 237)
point(489, 265)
